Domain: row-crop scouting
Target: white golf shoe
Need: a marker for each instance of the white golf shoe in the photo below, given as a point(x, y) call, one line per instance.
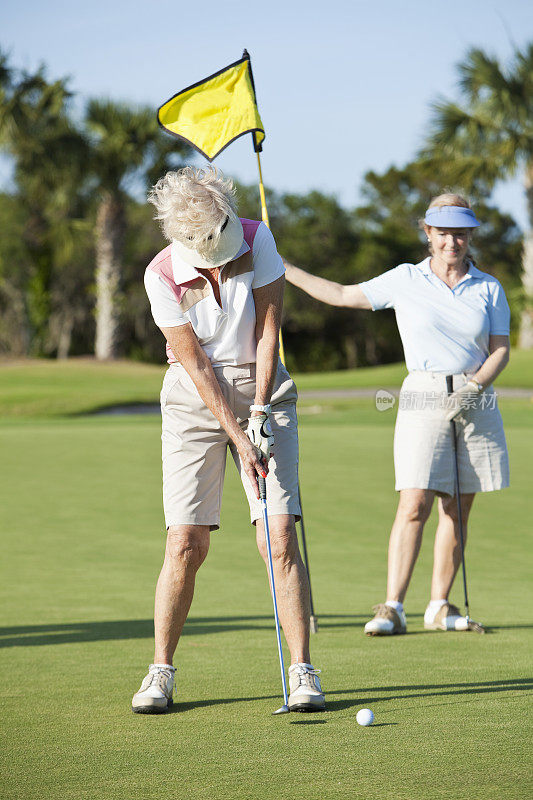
point(157, 689)
point(386, 621)
point(305, 690)
point(449, 618)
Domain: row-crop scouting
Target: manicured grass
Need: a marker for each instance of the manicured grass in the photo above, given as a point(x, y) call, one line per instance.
point(50, 388)
point(82, 545)
point(518, 373)
point(43, 388)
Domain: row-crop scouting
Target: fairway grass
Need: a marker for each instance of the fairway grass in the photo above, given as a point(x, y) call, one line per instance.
point(41, 388)
point(82, 544)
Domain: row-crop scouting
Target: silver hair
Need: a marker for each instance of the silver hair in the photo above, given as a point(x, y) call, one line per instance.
point(192, 206)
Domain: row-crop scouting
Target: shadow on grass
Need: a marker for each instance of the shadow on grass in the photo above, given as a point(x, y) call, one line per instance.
point(511, 627)
point(360, 697)
point(424, 690)
point(65, 633)
point(182, 707)
point(129, 407)
point(381, 724)
point(35, 635)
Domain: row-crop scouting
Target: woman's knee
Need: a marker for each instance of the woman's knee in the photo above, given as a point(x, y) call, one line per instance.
point(187, 546)
point(415, 507)
point(283, 540)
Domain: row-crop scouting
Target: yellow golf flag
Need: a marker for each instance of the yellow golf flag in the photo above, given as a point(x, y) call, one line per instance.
point(212, 113)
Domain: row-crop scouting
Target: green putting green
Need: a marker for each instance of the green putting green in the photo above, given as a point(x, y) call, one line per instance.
point(81, 548)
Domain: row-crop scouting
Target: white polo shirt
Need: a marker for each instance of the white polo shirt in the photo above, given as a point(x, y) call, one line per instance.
point(442, 329)
point(179, 294)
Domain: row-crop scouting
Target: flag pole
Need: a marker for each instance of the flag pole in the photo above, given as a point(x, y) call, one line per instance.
point(264, 217)
point(313, 621)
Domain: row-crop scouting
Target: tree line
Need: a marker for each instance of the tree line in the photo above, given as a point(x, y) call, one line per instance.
point(77, 233)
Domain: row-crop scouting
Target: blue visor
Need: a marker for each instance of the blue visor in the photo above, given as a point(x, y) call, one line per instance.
point(451, 217)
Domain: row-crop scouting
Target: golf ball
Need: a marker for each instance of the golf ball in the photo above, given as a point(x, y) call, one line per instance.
point(365, 717)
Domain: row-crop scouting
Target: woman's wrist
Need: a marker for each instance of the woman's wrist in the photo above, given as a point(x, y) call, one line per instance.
point(257, 409)
point(241, 441)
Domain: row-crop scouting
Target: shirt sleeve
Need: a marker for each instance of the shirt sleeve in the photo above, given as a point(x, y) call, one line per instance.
point(268, 266)
point(164, 306)
point(382, 291)
point(499, 312)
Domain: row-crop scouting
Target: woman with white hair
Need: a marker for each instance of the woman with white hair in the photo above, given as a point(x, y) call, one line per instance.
point(454, 321)
point(216, 293)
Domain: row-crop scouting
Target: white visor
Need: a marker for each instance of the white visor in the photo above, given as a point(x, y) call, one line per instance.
point(228, 246)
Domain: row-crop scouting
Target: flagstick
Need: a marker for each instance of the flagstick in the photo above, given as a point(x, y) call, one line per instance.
point(264, 211)
point(264, 215)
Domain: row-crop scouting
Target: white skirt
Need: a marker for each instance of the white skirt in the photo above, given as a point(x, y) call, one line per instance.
point(423, 444)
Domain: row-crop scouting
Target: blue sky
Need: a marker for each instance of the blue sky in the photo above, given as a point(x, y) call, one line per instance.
point(343, 87)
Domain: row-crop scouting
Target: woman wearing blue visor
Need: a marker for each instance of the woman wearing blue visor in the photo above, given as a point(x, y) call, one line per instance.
point(453, 321)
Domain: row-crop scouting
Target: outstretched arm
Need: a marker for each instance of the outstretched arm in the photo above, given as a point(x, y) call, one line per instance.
point(335, 294)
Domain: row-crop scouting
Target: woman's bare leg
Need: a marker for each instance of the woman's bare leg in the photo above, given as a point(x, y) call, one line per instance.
point(413, 511)
point(447, 552)
point(186, 549)
point(290, 579)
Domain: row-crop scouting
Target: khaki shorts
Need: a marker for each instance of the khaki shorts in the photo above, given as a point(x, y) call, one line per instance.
point(423, 445)
point(194, 446)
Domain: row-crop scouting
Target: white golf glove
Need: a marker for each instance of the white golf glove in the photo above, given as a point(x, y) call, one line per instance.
point(462, 399)
point(260, 434)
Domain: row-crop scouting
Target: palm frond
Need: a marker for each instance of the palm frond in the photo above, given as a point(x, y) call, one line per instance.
point(480, 72)
point(119, 137)
point(489, 135)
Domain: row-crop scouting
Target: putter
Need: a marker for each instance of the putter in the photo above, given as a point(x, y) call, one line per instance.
point(472, 626)
point(262, 496)
point(313, 619)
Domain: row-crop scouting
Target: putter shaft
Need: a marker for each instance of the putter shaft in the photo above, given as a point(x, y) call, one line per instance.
point(449, 387)
point(262, 496)
point(313, 620)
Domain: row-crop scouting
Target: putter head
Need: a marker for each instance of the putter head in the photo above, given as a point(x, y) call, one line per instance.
point(477, 627)
point(283, 710)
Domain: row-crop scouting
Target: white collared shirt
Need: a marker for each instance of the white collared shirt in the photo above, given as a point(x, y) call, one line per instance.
point(442, 329)
point(179, 294)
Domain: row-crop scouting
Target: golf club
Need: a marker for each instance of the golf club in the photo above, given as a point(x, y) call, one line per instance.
point(262, 496)
point(313, 620)
point(473, 626)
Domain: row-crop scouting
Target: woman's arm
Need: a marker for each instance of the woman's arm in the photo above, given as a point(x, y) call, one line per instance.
point(498, 359)
point(268, 305)
point(186, 348)
point(335, 294)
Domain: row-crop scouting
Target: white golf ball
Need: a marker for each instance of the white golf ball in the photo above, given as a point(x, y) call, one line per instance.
point(365, 717)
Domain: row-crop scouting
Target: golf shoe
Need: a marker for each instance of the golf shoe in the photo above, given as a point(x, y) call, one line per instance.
point(155, 694)
point(449, 618)
point(305, 690)
point(386, 621)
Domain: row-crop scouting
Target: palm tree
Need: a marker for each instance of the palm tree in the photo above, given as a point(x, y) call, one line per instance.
point(49, 158)
point(118, 138)
point(126, 147)
point(489, 137)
